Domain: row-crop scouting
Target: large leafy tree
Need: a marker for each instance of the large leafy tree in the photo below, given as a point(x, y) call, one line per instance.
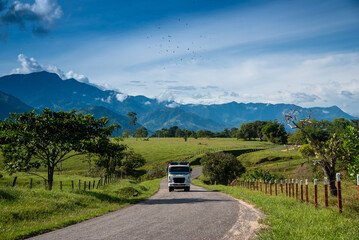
point(221, 167)
point(274, 132)
point(30, 140)
point(329, 151)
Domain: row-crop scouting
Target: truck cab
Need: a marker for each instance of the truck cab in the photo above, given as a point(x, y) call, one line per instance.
point(179, 176)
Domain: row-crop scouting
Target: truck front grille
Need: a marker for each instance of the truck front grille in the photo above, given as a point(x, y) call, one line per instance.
point(178, 180)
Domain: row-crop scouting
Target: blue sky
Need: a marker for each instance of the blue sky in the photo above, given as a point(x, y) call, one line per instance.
point(195, 51)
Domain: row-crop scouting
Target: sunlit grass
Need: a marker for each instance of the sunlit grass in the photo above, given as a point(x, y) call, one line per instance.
point(289, 219)
point(27, 212)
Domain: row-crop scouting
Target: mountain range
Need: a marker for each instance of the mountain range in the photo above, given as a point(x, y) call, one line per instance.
point(23, 92)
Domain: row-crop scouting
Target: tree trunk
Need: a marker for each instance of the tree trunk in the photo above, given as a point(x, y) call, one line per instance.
point(330, 174)
point(50, 176)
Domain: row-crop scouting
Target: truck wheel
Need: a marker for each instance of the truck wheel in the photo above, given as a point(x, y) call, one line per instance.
point(186, 189)
point(170, 189)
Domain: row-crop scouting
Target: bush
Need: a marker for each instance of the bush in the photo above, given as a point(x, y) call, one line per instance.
point(221, 167)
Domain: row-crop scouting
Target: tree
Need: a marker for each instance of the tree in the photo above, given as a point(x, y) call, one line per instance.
point(133, 119)
point(126, 133)
point(132, 161)
point(109, 155)
point(328, 152)
point(221, 167)
point(29, 141)
point(275, 132)
point(247, 131)
point(306, 151)
point(141, 132)
point(351, 146)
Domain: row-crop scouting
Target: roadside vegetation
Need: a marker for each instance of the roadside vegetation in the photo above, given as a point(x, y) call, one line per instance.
point(290, 219)
point(26, 212)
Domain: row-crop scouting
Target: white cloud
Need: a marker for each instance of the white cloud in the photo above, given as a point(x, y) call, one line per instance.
point(121, 97)
point(30, 65)
point(45, 10)
point(172, 105)
point(165, 96)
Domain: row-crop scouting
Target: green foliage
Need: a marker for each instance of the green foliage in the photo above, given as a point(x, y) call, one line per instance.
point(274, 132)
point(29, 141)
point(252, 130)
point(351, 147)
point(133, 119)
point(110, 156)
point(259, 174)
point(306, 151)
point(141, 132)
point(132, 161)
point(221, 167)
point(126, 133)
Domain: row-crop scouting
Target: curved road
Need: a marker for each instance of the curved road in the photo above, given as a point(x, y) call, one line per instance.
point(198, 214)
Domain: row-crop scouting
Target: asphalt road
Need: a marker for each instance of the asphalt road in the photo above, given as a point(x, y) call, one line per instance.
point(198, 214)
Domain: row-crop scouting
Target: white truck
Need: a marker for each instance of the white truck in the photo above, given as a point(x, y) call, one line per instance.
point(179, 176)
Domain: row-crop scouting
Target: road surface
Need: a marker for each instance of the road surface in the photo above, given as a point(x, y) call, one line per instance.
point(198, 214)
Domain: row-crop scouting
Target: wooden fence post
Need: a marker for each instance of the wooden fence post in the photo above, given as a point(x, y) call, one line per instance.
point(265, 187)
point(289, 188)
point(281, 186)
point(275, 187)
point(301, 190)
point(270, 187)
point(315, 193)
point(61, 185)
point(339, 193)
point(260, 183)
point(79, 184)
point(30, 183)
point(72, 184)
point(93, 186)
point(84, 185)
point(89, 185)
point(293, 188)
point(14, 182)
point(326, 192)
point(286, 187)
point(296, 189)
point(306, 191)
point(257, 184)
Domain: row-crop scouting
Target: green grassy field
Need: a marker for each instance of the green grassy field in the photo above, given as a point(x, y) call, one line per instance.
point(278, 161)
point(27, 212)
point(164, 149)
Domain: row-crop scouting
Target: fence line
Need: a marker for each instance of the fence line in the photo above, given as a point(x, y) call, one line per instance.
point(86, 184)
point(293, 191)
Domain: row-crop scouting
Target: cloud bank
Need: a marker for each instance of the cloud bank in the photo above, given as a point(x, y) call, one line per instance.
point(40, 15)
point(30, 65)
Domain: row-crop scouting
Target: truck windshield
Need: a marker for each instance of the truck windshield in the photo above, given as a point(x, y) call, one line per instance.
point(179, 169)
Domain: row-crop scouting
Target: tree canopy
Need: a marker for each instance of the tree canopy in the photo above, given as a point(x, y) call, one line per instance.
point(30, 140)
